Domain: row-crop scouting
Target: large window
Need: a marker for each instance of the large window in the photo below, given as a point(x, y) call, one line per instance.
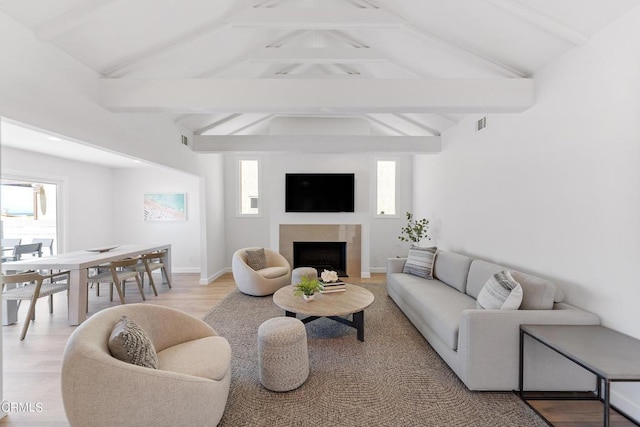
point(249, 190)
point(385, 187)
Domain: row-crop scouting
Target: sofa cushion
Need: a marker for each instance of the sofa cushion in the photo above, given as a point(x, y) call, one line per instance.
point(256, 258)
point(452, 269)
point(537, 294)
point(130, 343)
point(440, 305)
point(420, 261)
point(501, 292)
point(273, 272)
point(208, 357)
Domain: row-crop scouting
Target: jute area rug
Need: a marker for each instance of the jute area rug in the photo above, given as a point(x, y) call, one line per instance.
point(393, 378)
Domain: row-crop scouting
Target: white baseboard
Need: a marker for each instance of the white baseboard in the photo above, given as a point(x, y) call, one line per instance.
point(214, 276)
point(365, 274)
point(378, 269)
point(185, 270)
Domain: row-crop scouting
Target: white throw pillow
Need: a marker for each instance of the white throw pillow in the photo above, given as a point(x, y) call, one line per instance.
point(420, 261)
point(501, 292)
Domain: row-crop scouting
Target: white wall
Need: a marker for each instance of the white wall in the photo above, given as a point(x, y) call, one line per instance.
point(555, 190)
point(379, 236)
point(87, 195)
point(129, 187)
point(213, 223)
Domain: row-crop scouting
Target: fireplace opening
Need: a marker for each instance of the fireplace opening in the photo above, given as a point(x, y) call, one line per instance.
point(321, 256)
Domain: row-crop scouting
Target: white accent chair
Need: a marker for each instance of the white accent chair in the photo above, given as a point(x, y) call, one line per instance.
point(189, 388)
point(260, 282)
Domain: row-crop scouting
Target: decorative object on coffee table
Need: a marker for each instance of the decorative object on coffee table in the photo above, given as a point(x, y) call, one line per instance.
point(329, 276)
point(307, 288)
point(332, 305)
point(283, 359)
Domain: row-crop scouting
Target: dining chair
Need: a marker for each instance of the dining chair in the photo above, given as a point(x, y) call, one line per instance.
point(8, 245)
point(119, 272)
point(33, 249)
point(151, 262)
point(46, 243)
point(35, 286)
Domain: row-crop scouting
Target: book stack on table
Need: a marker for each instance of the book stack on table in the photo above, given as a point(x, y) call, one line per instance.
point(330, 287)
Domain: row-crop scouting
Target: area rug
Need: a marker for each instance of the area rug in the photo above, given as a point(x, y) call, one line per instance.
point(393, 378)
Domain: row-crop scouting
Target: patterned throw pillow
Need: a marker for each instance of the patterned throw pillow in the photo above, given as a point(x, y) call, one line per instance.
point(130, 343)
point(501, 292)
point(420, 261)
point(257, 259)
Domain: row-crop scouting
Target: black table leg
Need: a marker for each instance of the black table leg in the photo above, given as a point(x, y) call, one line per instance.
point(289, 313)
point(607, 402)
point(358, 323)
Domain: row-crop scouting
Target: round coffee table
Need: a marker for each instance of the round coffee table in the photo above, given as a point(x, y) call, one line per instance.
point(332, 305)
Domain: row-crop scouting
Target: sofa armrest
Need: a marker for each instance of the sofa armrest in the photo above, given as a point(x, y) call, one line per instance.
point(488, 340)
point(395, 265)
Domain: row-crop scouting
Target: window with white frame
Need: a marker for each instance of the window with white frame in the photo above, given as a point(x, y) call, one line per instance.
point(385, 187)
point(249, 190)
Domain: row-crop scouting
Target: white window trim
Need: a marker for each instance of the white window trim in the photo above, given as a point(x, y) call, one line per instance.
point(374, 179)
point(238, 201)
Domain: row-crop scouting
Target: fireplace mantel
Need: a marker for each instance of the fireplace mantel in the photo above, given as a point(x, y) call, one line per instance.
point(348, 233)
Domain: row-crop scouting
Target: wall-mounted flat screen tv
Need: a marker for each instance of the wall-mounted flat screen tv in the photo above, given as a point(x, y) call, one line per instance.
point(320, 192)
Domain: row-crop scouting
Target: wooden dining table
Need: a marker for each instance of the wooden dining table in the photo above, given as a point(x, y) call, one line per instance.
point(78, 263)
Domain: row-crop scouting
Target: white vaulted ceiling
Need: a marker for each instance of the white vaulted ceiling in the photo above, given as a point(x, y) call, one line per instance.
point(225, 68)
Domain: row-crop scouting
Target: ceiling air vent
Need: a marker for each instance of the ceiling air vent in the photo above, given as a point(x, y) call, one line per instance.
point(481, 124)
point(184, 140)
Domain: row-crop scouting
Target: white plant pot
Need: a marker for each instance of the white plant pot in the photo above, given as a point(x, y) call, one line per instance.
point(308, 297)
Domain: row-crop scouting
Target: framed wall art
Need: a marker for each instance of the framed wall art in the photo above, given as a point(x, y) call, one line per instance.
point(165, 207)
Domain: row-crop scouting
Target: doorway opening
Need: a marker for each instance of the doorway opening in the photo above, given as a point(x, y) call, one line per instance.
point(29, 213)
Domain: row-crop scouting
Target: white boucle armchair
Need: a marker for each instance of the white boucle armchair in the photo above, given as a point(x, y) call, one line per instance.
point(189, 388)
point(260, 282)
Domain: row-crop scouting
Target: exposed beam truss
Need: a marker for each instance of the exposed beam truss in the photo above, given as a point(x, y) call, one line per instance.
point(315, 143)
point(452, 46)
point(252, 123)
point(318, 55)
point(542, 21)
point(217, 123)
point(418, 124)
point(385, 125)
point(352, 96)
point(315, 19)
point(196, 33)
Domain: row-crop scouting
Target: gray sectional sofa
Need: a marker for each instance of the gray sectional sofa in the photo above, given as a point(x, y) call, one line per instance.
point(482, 346)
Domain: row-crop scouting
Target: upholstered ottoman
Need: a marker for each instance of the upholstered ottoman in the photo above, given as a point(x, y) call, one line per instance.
point(283, 359)
point(298, 273)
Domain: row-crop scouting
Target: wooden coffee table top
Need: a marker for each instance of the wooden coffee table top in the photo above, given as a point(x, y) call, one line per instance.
point(353, 300)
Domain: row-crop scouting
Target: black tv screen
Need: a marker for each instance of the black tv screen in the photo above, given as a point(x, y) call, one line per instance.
point(319, 192)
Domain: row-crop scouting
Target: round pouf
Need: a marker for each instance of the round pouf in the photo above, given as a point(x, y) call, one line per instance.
point(298, 273)
point(283, 359)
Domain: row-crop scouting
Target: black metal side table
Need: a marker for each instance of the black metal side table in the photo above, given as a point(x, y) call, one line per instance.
point(610, 355)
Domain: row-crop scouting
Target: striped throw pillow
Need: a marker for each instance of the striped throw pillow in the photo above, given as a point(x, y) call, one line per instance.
point(420, 261)
point(501, 292)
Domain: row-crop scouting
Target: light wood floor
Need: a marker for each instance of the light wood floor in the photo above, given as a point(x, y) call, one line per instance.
point(31, 368)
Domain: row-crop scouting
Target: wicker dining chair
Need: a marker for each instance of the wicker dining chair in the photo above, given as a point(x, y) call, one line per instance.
point(35, 286)
point(119, 272)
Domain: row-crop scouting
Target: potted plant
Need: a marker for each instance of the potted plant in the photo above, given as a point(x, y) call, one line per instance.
point(307, 288)
point(415, 231)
